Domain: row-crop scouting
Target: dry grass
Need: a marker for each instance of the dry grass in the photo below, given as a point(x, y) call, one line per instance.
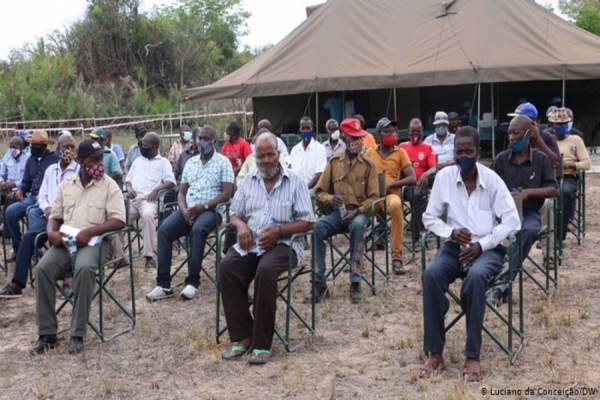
point(369, 350)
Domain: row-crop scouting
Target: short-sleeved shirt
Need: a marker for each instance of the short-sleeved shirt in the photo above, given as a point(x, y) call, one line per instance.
point(330, 151)
point(444, 150)
point(533, 173)
point(393, 164)
point(236, 152)
point(118, 151)
point(421, 155)
point(175, 151)
point(308, 162)
point(133, 153)
point(111, 163)
point(369, 141)
point(205, 180)
point(333, 106)
point(93, 205)
point(145, 175)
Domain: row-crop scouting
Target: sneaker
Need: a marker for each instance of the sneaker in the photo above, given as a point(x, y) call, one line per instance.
point(159, 293)
point(355, 293)
point(150, 263)
point(67, 291)
point(497, 296)
point(321, 293)
point(11, 292)
point(189, 292)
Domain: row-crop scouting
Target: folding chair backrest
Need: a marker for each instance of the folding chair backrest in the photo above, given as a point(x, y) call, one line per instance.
point(518, 198)
point(558, 169)
point(381, 178)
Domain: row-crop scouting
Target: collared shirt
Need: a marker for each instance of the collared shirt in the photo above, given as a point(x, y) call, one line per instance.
point(533, 173)
point(308, 162)
point(145, 175)
point(573, 150)
point(444, 150)
point(175, 151)
point(280, 146)
point(358, 182)
point(340, 147)
point(369, 141)
point(93, 205)
point(12, 170)
point(287, 202)
point(205, 180)
point(132, 154)
point(393, 164)
point(53, 177)
point(34, 172)
point(421, 155)
point(476, 212)
point(111, 163)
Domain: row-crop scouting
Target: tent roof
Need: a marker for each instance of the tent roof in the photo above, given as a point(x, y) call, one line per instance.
point(376, 44)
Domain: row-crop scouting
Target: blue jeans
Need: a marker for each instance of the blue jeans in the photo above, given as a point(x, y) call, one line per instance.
point(528, 235)
point(444, 269)
point(14, 213)
point(329, 225)
point(26, 250)
point(172, 229)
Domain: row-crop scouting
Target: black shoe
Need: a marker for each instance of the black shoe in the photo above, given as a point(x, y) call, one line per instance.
point(150, 263)
point(11, 292)
point(321, 293)
point(67, 291)
point(11, 258)
point(43, 344)
point(75, 345)
point(355, 293)
point(497, 296)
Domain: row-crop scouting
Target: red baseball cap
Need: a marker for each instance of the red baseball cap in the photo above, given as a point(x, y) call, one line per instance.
point(351, 127)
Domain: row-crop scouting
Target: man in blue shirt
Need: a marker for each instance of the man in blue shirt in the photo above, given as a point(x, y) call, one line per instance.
point(134, 150)
point(117, 149)
point(12, 169)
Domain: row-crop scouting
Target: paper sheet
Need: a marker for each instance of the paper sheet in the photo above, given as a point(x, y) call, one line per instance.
point(71, 231)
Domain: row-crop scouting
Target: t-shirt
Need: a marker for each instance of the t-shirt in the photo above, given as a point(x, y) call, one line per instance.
point(393, 164)
point(369, 142)
point(421, 156)
point(236, 152)
point(333, 106)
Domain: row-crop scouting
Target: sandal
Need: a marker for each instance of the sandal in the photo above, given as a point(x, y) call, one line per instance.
point(235, 354)
point(432, 365)
point(253, 360)
point(398, 268)
point(472, 371)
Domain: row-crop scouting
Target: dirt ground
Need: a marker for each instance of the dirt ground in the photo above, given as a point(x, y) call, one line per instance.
point(369, 350)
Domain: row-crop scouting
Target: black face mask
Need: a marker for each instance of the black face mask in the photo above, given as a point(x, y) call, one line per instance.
point(37, 151)
point(145, 152)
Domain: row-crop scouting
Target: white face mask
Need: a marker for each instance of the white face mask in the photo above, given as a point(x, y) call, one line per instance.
point(335, 135)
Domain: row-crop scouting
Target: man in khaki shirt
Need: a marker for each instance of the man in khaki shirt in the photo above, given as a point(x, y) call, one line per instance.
point(349, 184)
point(92, 202)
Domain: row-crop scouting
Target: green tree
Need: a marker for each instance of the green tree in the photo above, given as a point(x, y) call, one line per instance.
point(584, 13)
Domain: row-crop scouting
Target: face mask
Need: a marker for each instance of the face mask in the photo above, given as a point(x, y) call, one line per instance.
point(519, 146)
point(15, 153)
point(67, 156)
point(187, 136)
point(145, 151)
point(355, 147)
point(465, 164)
point(96, 171)
point(388, 141)
point(415, 138)
point(204, 146)
point(335, 135)
point(569, 126)
point(441, 131)
point(306, 136)
point(560, 130)
point(266, 172)
point(37, 151)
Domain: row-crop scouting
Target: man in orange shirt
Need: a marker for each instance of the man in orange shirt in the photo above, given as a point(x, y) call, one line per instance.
point(399, 172)
point(368, 140)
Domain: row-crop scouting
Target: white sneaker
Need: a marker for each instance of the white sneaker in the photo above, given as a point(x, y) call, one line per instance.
point(189, 292)
point(159, 293)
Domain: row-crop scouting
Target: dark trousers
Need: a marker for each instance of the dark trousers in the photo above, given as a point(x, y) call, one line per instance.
point(570, 191)
point(417, 204)
point(23, 262)
point(437, 277)
point(13, 214)
point(235, 275)
point(528, 235)
point(172, 229)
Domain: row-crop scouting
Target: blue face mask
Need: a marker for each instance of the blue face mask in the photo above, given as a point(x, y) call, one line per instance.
point(465, 164)
point(187, 136)
point(441, 131)
point(518, 147)
point(306, 136)
point(561, 130)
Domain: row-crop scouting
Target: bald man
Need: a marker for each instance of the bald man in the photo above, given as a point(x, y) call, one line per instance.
point(149, 174)
point(264, 125)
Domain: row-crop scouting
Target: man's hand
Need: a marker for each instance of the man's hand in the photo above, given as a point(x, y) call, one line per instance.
point(346, 219)
point(132, 194)
point(57, 239)
point(569, 165)
point(19, 195)
point(269, 237)
point(389, 189)
point(245, 237)
point(152, 196)
point(193, 212)
point(534, 134)
point(186, 217)
point(83, 237)
point(462, 236)
point(468, 255)
point(47, 212)
point(4, 186)
point(337, 202)
point(423, 183)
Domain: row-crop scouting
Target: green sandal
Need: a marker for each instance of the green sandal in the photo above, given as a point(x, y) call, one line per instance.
point(259, 361)
point(230, 356)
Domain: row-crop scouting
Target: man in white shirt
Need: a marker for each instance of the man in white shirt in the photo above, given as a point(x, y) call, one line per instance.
point(308, 158)
point(474, 251)
point(148, 175)
point(442, 140)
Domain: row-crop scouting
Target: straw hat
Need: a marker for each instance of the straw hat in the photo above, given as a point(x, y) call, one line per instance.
point(39, 136)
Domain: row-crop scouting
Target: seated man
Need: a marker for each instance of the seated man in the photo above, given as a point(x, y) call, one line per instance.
point(442, 140)
point(423, 159)
point(349, 184)
point(399, 173)
point(190, 151)
point(149, 174)
point(236, 148)
point(110, 161)
point(333, 145)
point(206, 182)
point(115, 148)
point(179, 146)
point(475, 197)
point(249, 165)
point(368, 141)
point(269, 207)
point(54, 175)
point(308, 158)
point(134, 150)
point(91, 202)
point(35, 167)
point(264, 125)
point(13, 168)
point(575, 158)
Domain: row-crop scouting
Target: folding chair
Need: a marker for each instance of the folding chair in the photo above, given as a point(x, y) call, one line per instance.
point(577, 229)
point(505, 276)
point(284, 293)
point(5, 234)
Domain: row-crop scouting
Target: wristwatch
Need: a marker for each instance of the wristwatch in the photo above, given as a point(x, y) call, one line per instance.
point(205, 205)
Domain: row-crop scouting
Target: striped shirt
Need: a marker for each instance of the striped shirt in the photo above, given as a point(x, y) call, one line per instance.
point(289, 201)
point(205, 179)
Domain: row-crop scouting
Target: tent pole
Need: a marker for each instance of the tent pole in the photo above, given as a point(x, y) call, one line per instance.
point(395, 107)
point(317, 115)
point(563, 91)
point(478, 104)
point(493, 126)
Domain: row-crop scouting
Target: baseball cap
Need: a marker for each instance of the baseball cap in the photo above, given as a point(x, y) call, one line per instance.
point(527, 109)
point(23, 134)
point(550, 110)
point(452, 115)
point(440, 118)
point(89, 148)
point(98, 133)
point(351, 127)
point(385, 122)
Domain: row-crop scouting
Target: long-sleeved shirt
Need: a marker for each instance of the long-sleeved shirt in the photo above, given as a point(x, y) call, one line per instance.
point(53, 177)
point(476, 212)
point(573, 150)
point(357, 183)
point(12, 169)
point(34, 172)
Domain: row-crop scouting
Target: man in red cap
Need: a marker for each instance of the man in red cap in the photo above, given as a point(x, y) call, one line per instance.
point(349, 185)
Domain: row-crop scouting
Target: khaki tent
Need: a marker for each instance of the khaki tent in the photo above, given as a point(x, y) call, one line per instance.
point(376, 44)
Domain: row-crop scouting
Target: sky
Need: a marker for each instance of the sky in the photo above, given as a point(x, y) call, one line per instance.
point(22, 21)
